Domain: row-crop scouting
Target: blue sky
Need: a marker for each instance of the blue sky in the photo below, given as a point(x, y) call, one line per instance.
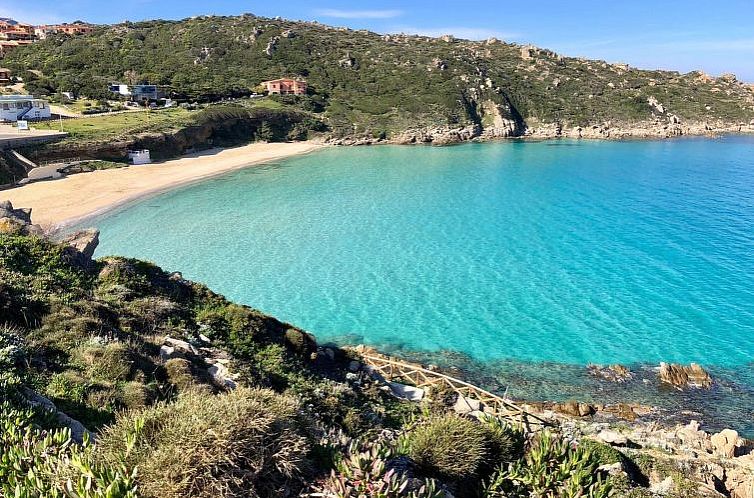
point(670, 34)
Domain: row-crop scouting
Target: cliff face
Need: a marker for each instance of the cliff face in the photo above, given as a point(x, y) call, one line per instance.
point(373, 85)
point(217, 129)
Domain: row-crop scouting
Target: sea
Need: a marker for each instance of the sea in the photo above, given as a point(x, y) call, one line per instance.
point(516, 262)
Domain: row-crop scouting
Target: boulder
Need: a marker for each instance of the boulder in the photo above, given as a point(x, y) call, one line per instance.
point(221, 376)
point(403, 391)
point(694, 438)
point(739, 483)
point(84, 241)
point(78, 431)
point(464, 405)
point(181, 346)
point(683, 376)
point(725, 443)
point(17, 221)
point(166, 352)
point(613, 438)
point(80, 247)
point(574, 409)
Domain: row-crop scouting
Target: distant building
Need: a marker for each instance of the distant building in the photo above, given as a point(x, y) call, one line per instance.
point(136, 92)
point(17, 34)
point(23, 107)
point(285, 86)
point(4, 76)
point(76, 28)
point(6, 46)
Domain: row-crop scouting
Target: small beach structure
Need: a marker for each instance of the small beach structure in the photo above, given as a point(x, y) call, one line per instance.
point(139, 156)
point(286, 86)
point(15, 108)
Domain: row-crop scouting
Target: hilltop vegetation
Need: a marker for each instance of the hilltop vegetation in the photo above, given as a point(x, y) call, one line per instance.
point(368, 84)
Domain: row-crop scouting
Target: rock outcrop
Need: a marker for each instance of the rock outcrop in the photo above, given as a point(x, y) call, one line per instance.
point(684, 377)
point(17, 221)
point(441, 135)
point(78, 431)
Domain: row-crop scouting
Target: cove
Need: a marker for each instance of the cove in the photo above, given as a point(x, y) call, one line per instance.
point(558, 251)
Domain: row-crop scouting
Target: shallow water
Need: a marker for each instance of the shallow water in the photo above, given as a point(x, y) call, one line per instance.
point(569, 252)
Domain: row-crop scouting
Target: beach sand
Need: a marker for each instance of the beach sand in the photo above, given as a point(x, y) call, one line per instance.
point(58, 203)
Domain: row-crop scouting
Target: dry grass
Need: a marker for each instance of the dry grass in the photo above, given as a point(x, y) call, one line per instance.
point(244, 443)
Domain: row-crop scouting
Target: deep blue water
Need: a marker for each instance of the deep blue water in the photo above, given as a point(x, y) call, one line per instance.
point(518, 262)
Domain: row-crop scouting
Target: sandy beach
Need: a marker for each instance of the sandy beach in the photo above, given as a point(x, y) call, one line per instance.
point(62, 202)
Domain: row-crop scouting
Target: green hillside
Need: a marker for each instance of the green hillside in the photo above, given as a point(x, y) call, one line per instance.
point(374, 84)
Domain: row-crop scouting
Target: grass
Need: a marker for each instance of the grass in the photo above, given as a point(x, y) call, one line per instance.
point(120, 125)
point(245, 443)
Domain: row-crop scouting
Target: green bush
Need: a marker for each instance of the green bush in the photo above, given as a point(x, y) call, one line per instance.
point(244, 443)
point(603, 453)
point(448, 446)
point(32, 271)
point(552, 467)
point(109, 362)
point(37, 463)
point(362, 471)
point(505, 441)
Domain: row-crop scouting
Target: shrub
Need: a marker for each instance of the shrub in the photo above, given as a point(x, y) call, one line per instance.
point(108, 362)
point(11, 350)
point(134, 395)
point(363, 472)
point(244, 443)
point(505, 442)
point(48, 464)
point(448, 446)
point(603, 453)
point(552, 467)
point(179, 373)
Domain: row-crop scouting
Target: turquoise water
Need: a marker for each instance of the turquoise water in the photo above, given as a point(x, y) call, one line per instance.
point(566, 252)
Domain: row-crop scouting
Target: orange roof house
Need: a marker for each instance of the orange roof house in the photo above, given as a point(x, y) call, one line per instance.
point(7, 46)
point(286, 86)
point(76, 28)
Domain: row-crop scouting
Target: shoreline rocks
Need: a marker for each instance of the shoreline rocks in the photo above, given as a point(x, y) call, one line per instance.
point(670, 127)
point(684, 377)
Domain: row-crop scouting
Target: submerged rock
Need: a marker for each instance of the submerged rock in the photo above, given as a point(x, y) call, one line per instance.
point(613, 373)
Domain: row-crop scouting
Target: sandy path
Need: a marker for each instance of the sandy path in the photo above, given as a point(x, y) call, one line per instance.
point(57, 203)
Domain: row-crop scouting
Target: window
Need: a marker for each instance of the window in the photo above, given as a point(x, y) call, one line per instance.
point(6, 107)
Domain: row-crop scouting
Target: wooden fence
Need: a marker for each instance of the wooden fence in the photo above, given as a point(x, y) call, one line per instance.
point(396, 370)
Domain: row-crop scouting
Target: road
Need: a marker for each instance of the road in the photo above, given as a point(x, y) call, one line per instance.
point(11, 137)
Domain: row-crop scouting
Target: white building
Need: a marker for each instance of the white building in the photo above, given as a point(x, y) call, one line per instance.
point(136, 93)
point(23, 107)
point(139, 156)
